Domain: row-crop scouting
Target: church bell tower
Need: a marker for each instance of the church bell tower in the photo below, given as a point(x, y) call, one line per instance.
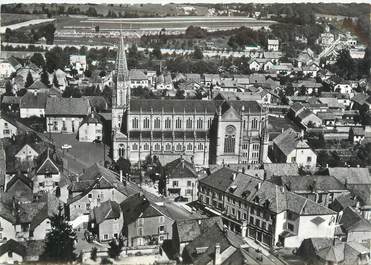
point(121, 91)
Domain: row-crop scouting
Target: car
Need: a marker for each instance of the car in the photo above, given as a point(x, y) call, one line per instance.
point(66, 146)
point(97, 141)
point(181, 199)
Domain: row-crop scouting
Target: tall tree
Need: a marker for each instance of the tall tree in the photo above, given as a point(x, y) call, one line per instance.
point(44, 77)
point(197, 53)
point(124, 165)
point(114, 249)
point(55, 81)
point(29, 80)
point(38, 59)
point(59, 242)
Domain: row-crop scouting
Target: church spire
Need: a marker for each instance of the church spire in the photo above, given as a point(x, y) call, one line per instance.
point(122, 73)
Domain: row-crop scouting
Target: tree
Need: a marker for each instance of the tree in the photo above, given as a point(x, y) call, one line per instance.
point(179, 94)
point(8, 89)
point(44, 77)
point(59, 242)
point(114, 249)
point(93, 253)
point(302, 91)
point(8, 34)
point(124, 165)
point(197, 53)
point(162, 182)
point(87, 73)
point(91, 12)
point(29, 80)
point(156, 52)
point(55, 81)
point(48, 32)
point(38, 59)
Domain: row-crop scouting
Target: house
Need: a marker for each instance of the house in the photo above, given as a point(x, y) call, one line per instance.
point(61, 77)
point(343, 88)
point(321, 189)
point(7, 126)
point(9, 66)
point(273, 45)
point(209, 79)
point(64, 115)
point(7, 221)
point(354, 226)
point(220, 247)
point(78, 63)
point(164, 82)
point(96, 185)
point(193, 77)
point(10, 103)
point(290, 147)
point(106, 221)
point(33, 104)
point(20, 188)
point(260, 64)
point(263, 211)
point(47, 173)
point(308, 119)
point(356, 134)
point(138, 79)
point(358, 182)
point(91, 128)
point(143, 223)
point(324, 251)
point(185, 231)
point(12, 252)
point(182, 179)
point(40, 223)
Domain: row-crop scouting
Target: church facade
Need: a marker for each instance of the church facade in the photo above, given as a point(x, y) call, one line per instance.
point(202, 131)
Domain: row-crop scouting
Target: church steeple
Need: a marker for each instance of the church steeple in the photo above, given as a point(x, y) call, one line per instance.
point(121, 91)
point(121, 78)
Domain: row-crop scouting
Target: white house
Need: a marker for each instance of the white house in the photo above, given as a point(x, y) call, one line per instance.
point(7, 129)
point(273, 45)
point(138, 78)
point(343, 88)
point(33, 103)
point(9, 66)
point(78, 62)
point(91, 128)
point(290, 147)
point(12, 252)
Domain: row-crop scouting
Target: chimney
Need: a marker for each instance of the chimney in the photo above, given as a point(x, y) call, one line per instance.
point(358, 166)
point(302, 134)
point(282, 189)
point(218, 256)
point(35, 92)
point(234, 176)
point(121, 178)
point(258, 186)
point(77, 178)
point(326, 165)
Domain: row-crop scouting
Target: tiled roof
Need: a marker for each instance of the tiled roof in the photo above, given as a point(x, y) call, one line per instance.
point(289, 141)
point(13, 246)
point(136, 74)
point(6, 212)
point(352, 221)
point(49, 209)
point(106, 210)
point(38, 85)
point(264, 193)
point(180, 168)
point(309, 183)
point(170, 105)
point(280, 169)
point(11, 100)
point(67, 106)
point(351, 175)
point(92, 118)
point(137, 206)
point(32, 100)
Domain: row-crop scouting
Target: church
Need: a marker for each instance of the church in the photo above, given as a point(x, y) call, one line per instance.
point(202, 131)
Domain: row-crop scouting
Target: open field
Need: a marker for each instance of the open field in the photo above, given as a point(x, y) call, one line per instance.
point(25, 24)
point(9, 19)
point(168, 23)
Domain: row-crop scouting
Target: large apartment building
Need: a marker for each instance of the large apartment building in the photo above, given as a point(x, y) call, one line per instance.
point(264, 211)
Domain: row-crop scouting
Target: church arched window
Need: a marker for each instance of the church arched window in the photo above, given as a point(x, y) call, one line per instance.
point(135, 123)
point(200, 123)
point(167, 123)
point(146, 123)
point(230, 139)
point(146, 146)
point(178, 123)
point(189, 124)
point(157, 123)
